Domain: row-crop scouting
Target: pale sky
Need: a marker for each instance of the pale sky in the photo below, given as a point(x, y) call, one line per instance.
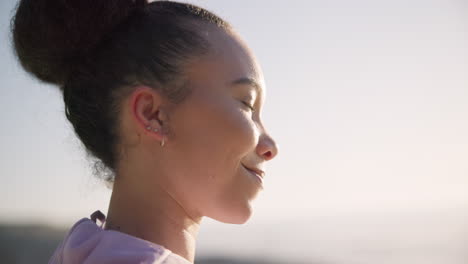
point(368, 101)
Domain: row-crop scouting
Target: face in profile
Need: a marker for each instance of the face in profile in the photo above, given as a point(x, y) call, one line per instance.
point(217, 133)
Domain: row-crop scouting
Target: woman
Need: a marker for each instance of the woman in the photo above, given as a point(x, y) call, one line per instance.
point(167, 97)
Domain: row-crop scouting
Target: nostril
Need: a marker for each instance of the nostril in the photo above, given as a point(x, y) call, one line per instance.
point(268, 154)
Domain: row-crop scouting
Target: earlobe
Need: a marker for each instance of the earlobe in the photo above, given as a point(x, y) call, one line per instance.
point(156, 130)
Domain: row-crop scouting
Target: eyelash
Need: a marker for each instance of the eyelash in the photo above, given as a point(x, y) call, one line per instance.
point(249, 106)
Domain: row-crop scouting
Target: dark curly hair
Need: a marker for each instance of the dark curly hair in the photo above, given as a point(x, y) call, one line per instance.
point(95, 51)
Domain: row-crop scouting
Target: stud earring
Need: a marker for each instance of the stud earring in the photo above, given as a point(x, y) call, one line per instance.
point(156, 130)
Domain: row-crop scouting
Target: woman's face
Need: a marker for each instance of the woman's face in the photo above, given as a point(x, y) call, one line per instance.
point(214, 135)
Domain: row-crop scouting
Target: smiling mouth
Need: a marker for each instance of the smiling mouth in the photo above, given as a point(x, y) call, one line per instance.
point(258, 173)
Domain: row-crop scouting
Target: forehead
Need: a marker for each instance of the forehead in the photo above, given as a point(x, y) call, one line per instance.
point(229, 60)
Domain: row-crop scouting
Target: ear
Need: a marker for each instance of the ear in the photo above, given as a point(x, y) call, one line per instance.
point(147, 106)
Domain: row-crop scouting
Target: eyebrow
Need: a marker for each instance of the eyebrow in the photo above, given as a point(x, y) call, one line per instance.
point(249, 81)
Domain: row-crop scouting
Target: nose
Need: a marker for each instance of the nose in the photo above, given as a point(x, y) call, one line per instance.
point(267, 147)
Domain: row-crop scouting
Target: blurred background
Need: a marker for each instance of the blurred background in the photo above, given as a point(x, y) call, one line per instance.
point(368, 101)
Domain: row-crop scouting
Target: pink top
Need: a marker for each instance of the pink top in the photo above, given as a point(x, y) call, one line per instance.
point(89, 243)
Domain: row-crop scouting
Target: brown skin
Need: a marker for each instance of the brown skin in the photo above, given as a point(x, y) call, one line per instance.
point(160, 193)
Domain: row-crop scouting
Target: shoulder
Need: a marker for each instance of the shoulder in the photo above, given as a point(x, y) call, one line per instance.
point(86, 242)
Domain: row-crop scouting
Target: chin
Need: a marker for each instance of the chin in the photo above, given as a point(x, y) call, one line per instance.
point(236, 216)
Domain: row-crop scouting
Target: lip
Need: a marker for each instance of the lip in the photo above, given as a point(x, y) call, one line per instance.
point(257, 172)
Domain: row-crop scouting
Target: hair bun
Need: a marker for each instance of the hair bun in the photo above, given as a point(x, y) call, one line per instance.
point(51, 36)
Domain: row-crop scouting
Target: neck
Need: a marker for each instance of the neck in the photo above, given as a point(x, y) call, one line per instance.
point(153, 215)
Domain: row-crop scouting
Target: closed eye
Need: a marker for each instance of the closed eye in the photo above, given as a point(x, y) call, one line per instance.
point(249, 106)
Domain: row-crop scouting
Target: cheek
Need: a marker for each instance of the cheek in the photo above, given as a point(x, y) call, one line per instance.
point(211, 140)
point(234, 129)
point(219, 128)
